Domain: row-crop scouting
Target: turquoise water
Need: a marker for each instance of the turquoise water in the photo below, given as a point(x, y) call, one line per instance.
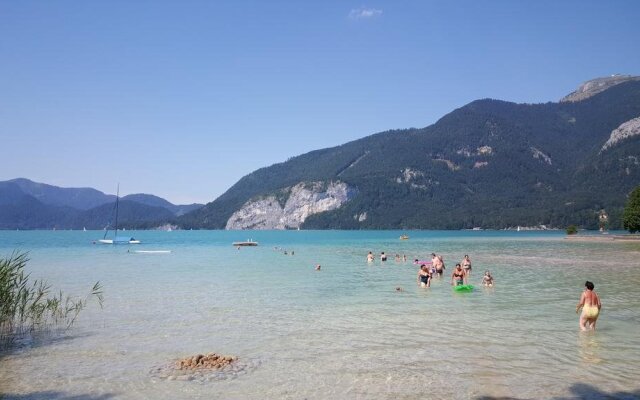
point(341, 332)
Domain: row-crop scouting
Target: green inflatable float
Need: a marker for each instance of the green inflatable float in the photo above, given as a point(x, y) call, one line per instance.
point(463, 288)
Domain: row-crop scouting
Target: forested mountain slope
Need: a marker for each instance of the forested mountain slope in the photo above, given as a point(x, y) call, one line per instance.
point(491, 163)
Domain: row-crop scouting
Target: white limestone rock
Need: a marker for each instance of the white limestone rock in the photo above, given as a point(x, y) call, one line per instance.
point(305, 199)
point(624, 131)
point(408, 175)
point(539, 155)
point(484, 151)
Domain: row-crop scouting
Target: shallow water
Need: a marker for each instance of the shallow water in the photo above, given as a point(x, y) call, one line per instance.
point(342, 332)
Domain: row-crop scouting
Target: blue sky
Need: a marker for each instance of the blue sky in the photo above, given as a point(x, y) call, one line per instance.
point(183, 98)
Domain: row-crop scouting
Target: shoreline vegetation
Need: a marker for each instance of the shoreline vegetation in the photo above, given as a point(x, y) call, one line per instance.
point(29, 306)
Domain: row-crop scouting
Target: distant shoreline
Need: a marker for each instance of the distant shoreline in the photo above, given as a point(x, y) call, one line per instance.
point(604, 238)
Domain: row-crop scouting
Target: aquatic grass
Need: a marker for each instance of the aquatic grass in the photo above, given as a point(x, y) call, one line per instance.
point(28, 306)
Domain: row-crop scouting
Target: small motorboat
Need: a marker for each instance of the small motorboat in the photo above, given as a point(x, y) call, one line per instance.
point(404, 237)
point(249, 242)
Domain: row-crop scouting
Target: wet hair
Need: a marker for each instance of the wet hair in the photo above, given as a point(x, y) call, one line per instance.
point(458, 265)
point(589, 285)
point(433, 254)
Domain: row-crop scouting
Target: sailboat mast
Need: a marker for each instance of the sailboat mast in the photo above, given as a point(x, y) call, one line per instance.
point(117, 197)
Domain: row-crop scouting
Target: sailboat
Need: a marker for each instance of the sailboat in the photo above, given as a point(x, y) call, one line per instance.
point(117, 239)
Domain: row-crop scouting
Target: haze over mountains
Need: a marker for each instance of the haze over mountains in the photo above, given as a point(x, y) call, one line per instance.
point(25, 204)
point(489, 164)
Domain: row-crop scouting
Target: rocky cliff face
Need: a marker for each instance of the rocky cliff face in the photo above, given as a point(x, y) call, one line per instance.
point(624, 131)
point(304, 199)
point(595, 86)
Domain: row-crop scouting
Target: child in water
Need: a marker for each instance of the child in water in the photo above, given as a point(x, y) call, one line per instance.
point(487, 279)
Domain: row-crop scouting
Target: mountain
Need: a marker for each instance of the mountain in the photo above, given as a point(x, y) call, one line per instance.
point(156, 201)
point(130, 215)
point(490, 163)
point(79, 198)
point(22, 211)
point(25, 204)
point(595, 86)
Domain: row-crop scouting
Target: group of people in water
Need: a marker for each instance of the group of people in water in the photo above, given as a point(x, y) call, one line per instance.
point(435, 268)
point(589, 301)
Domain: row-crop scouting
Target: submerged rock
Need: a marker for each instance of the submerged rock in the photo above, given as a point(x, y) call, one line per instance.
point(210, 361)
point(203, 368)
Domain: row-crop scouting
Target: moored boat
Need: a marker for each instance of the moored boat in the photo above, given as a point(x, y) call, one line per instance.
point(120, 240)
point(117, 239)
point(249, 242)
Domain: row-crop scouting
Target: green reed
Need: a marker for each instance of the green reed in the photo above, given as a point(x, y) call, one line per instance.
point(28, 306)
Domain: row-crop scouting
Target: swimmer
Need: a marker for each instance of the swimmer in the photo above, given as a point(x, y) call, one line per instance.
point(591, 306)
point(318, 267)
point(458, 277)
point(370, 257)
point(399, 289)
point(383, 257)
point(424, 276)
point(487, 279)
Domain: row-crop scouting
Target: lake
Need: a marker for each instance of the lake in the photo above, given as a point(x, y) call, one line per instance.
point(341, 332)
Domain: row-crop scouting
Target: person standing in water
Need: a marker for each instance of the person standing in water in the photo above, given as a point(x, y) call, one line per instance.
point(591, 306)
point(438, 263)
point(383, 257)
point(370, 257)
point(487, 279)
point(458, 277)
point(424, 276)
point(466, 265)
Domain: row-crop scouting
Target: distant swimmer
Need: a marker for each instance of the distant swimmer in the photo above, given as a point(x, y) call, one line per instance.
point(318, 267)
point(370, 257)
point(383, 257)
point(591, 306)
point(487, 279)
point(424, 276)
point(458, 277)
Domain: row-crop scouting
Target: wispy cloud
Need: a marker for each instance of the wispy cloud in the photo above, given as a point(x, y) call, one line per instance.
point(364, 13)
